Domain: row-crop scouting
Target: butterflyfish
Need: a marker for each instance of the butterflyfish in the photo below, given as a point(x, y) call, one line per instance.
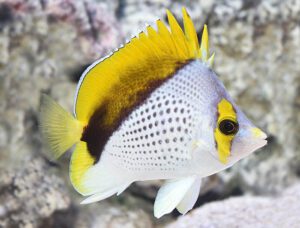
point(153, 109)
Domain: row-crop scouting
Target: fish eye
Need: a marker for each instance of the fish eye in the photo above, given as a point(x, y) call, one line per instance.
point(228, 127)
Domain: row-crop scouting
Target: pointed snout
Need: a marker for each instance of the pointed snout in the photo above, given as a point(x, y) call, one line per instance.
point(258, 137)
point(259, 134)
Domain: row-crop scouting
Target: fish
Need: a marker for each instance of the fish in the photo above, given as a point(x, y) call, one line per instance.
point(154, 109)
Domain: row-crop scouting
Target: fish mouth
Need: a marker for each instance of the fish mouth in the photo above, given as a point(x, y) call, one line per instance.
point(259, 136)
point(264, 139)
point(264, 142)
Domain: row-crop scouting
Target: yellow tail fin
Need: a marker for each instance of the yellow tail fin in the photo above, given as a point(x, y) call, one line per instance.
point(60, 129)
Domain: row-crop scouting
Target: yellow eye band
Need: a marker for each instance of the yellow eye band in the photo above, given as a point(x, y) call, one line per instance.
point(227, 127)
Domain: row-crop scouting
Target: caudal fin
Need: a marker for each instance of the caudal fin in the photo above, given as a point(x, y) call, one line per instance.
point(61, 131)
point(59, 128)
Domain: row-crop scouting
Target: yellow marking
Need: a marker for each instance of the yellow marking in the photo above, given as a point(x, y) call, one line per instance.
point(258, 133)
point(226, 111)
point(60, 129)
point(190, 32)
point(81, 161)
point(148, 58)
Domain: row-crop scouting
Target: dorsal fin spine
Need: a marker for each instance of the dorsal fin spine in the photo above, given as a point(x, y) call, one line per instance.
point(165, 35)
point(191, 34)
point(205, 44)
point(178, 35)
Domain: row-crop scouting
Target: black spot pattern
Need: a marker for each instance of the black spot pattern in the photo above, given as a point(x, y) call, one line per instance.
point(158, 135)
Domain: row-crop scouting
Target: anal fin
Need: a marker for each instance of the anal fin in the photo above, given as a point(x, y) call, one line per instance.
point(99, 196)
point(180, 193)
point(81, 162)
point(104, 179)
point(105, 194)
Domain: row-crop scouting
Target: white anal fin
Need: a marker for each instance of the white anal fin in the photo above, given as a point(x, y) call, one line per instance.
point(104, 180)
point(103, 195)
point(175, 193)
point(99, 196)
point(190, 197)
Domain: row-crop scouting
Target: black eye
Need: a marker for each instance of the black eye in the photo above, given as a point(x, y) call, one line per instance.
point(228, 127)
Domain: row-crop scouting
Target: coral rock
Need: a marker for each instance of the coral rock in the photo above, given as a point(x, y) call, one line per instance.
point(246, 211)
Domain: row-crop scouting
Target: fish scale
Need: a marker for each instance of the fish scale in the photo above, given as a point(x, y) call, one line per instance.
point(159, 134)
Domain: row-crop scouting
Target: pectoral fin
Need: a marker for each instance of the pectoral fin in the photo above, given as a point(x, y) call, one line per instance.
point(175, 193)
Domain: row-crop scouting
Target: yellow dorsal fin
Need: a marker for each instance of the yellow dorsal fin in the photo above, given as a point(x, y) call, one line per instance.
point(190, 33)
point(205, 44)
point(152, 34)
point(178, 35)
point(119, 79)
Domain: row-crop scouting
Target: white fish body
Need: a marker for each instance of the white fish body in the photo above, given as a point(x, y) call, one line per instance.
point(168, 137)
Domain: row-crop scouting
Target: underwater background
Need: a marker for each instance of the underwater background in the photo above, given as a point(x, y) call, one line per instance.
point(45, 45)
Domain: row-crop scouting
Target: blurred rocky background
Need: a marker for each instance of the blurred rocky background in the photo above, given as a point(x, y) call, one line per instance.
point(46, 44)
